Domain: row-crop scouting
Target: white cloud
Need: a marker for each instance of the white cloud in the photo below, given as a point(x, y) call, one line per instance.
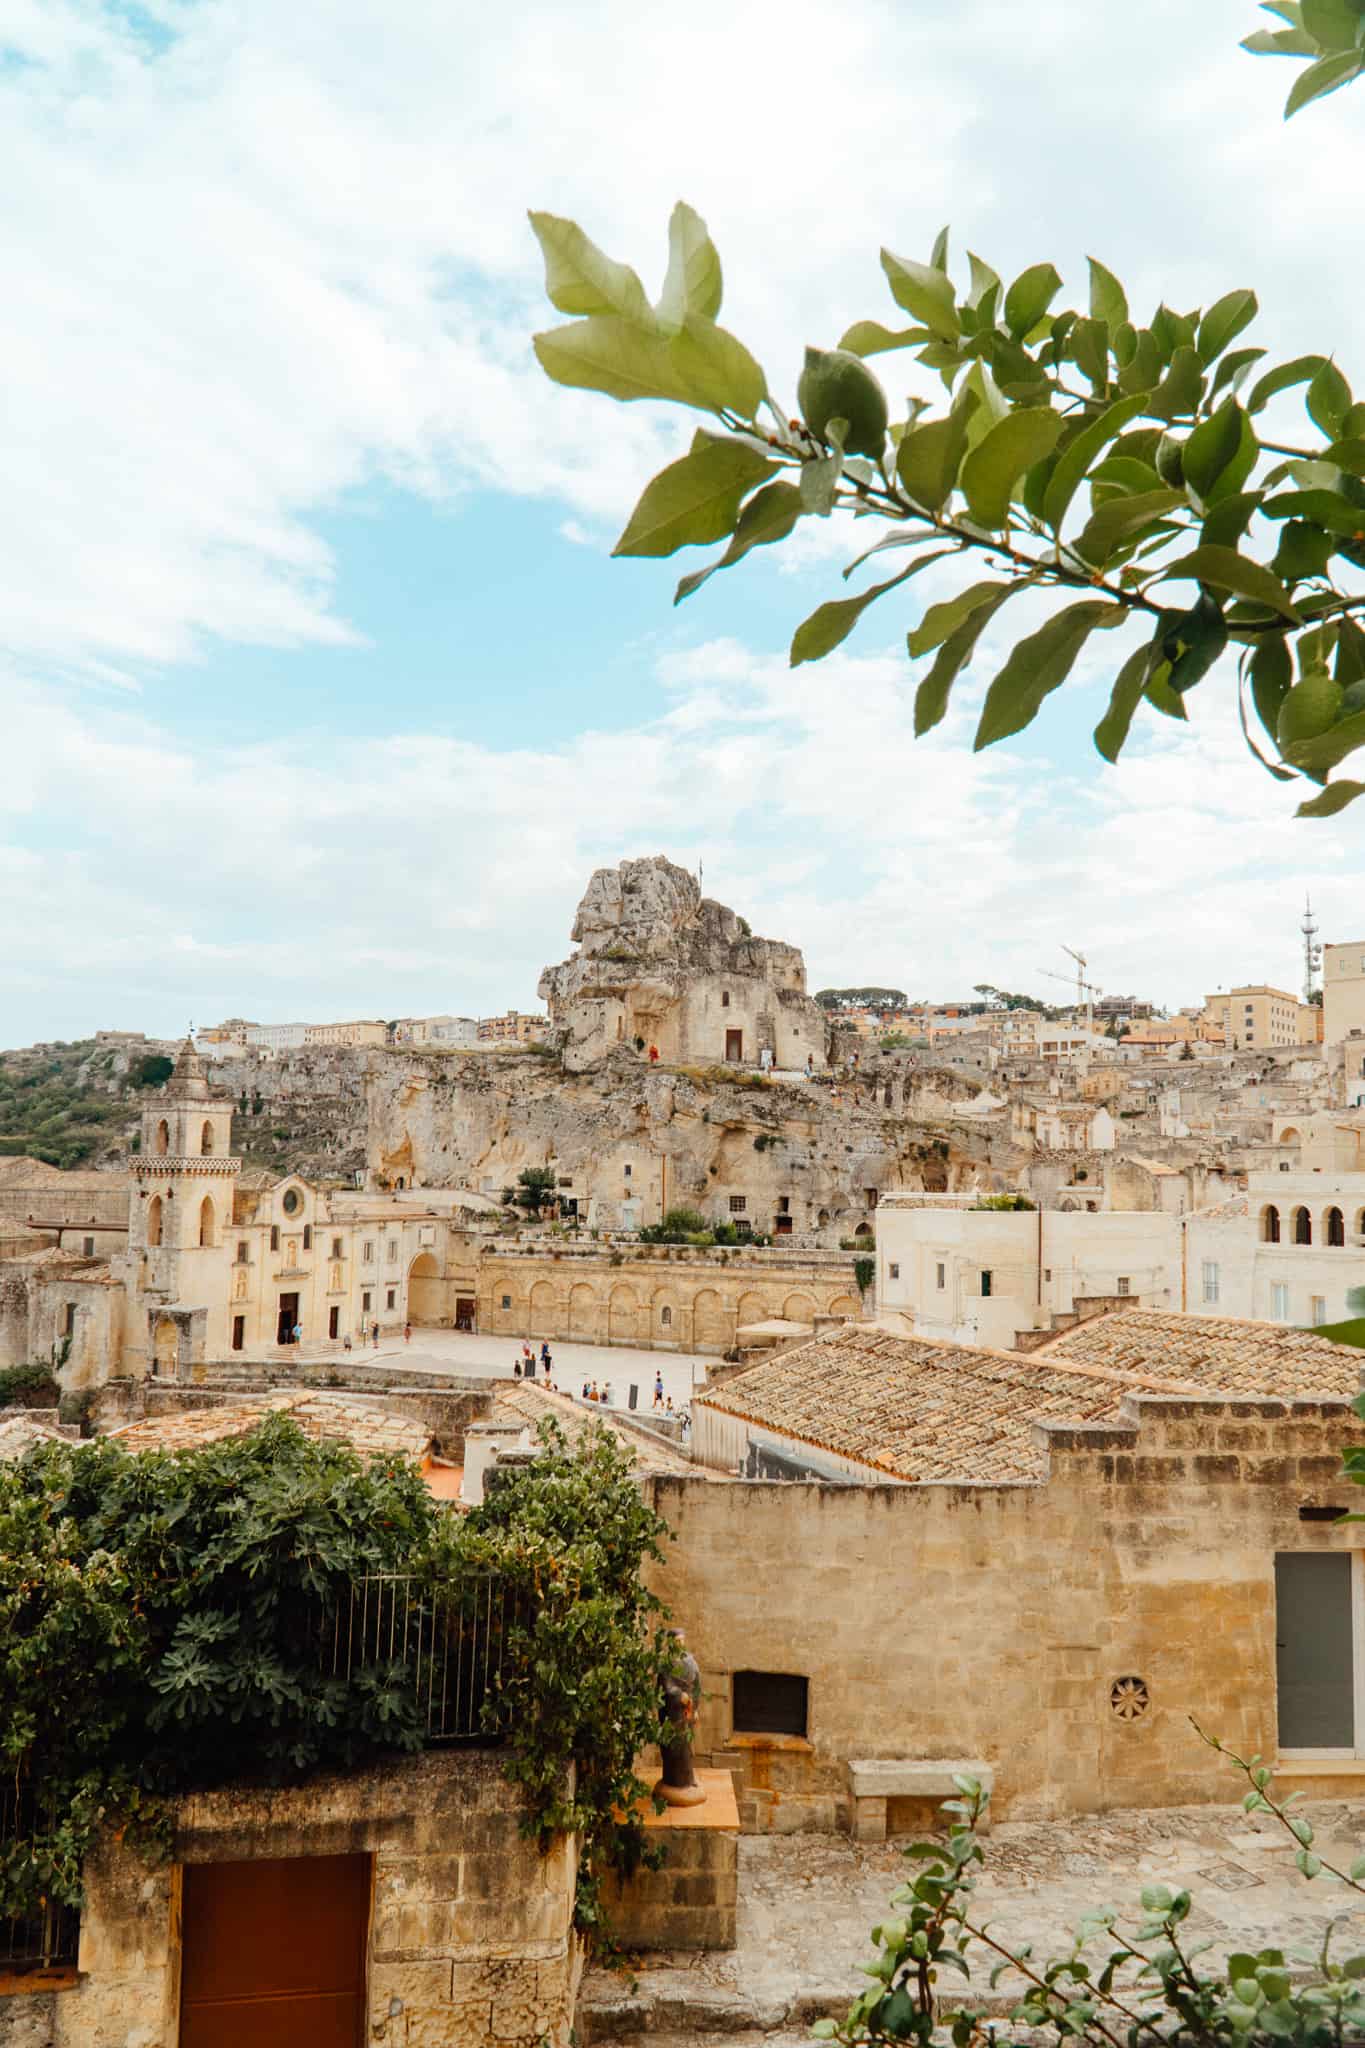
point(423, 873)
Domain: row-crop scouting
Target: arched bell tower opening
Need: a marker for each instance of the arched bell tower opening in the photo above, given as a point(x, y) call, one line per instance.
point(206, 1136)
point(208, 1222)
point(154, 1224)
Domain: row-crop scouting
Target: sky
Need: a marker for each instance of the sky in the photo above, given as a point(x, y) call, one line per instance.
point(320, 693)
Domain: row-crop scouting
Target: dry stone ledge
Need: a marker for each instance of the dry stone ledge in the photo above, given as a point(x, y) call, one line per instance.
point(872, 1781)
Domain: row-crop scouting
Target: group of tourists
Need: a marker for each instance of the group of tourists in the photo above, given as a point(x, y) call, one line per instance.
point(524, 1365)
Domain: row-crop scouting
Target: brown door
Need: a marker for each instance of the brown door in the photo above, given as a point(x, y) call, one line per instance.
point(734, 1045)
point(289, 1315)
point(274, 1953)
point(464, 1311)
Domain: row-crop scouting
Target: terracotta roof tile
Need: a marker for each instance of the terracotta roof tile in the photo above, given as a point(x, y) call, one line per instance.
point(1218, 1354)
point(328, 1418)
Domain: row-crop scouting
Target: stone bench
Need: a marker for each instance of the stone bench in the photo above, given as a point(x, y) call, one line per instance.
point(872, 1781)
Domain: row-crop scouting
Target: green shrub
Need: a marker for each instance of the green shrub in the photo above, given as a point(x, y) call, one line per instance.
point(864, 1272)
point(1003, 1202)
point(28, 1386)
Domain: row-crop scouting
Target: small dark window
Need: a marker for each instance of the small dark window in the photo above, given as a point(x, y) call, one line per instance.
point(336, 1247)
point(985, 1282)
point(725, 999)
point(308, 1237)
point(507, 1301)
point(626, 1171)
point(894, 1270)
point(69, 1320)
point(238, 1332)
point(274, 1237)
point(738, 1204)
point(89, 1245)
point(243, 1251)
point(388, 1299)
point(365, 1303)
point(770, 1703)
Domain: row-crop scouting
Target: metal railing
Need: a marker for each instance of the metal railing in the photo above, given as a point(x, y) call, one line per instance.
point(453, 1641)
point(48, 1938)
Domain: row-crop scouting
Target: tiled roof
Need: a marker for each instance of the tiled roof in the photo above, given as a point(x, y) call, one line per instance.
point(1217, 1354)
point(527, 1403)
point(917, 1409)
point(328, 1418)
point(19, 1432)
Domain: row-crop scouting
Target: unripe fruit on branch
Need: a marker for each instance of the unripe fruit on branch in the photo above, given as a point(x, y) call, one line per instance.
point(837, 385)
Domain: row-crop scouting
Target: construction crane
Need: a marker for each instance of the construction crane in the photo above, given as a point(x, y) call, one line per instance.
point(1086, 993)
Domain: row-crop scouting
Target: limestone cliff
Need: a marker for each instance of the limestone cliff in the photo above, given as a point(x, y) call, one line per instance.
point(660, 964)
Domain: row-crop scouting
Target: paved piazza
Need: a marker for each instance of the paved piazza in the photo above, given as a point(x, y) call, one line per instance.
point(616, 1365)
point(806, 1903)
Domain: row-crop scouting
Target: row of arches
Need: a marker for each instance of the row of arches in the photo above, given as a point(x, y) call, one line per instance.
point(161, 1141)
point(1297, 1226)
point(156, 1221)
point(628, 1314)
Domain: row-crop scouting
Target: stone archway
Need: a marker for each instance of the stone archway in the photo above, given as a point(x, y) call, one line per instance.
point(582, 1314)
point(623, 1317)
point(799, 1308)
point(425, 1305)
point(543, 1319)
point(711, 1327)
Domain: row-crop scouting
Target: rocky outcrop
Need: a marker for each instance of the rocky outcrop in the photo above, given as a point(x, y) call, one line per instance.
point(660, 964)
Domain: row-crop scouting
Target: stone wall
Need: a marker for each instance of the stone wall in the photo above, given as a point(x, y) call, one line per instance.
point(470, 1936)
point(992, 1621)
point(666, 1298)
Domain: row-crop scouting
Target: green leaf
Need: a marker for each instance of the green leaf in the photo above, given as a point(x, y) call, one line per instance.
point(820, 480)
point(925, 292)
point(695, 499)
point(1304, 550)
point(1280, 42)
point(1038, 665)
point(1348, 455)
point(1181, 389)
point(931, 698)
point(995, 465)
point(1120, 520)
point(1300, 371)
point(1108, 301)
point(1333, 24)
point(1161, 696)
point(1029, 297)
point(1223, 322)
point(984, 281)
point(693, 280)
point(943, 619)
point(938, 255)
point(1088, 343)
point(1325, 508)
point(1227, 570)
point(1329, 400)
point(1211, 448)
point(831, 623)
point(1079, 452)
point(1230, 517)
point(1321, 78)
point(928, 457)
point(703, 366)
point(1127, 694)
point(580, 279)
point(1234, 368)
point(870, 338)
point(1272, 673)
point(769, 515)
point(1334, 798)
point(1193, 641)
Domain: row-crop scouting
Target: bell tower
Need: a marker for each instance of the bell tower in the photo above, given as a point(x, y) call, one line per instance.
point(185, 1179)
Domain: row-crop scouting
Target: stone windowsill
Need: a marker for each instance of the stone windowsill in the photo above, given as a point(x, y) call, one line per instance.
point(795, 1744)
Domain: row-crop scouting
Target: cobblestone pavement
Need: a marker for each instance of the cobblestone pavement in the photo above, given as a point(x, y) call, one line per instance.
point(806, 1903)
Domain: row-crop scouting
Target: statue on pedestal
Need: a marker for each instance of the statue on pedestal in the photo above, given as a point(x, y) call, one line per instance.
point(682, 1695)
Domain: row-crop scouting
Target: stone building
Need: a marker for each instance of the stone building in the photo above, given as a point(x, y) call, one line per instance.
point(402, 1903)
point(1044, 1566)
point(661, 965)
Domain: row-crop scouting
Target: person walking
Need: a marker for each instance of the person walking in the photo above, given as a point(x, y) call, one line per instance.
point(654, 1055)
point(545, 1358)
point(516, 1367)
point(298, 1333)
point(407, 1333)
point(658, 1390)
point(374, 1333)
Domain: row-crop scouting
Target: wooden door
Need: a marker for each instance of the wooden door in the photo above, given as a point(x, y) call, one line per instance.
point(274, 1953)
point(734, 1045)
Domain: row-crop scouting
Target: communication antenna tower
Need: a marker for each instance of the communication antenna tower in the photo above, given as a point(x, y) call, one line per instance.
point(1312, 951)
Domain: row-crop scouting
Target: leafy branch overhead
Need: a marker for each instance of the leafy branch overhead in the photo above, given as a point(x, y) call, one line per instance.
point(1132, 468)
point(1330, 33)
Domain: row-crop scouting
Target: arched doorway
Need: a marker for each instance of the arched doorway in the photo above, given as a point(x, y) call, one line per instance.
point(424, 1290)
point(544, 1318)
point(208, 1222)
point(798, 1308)
point(622, 1317)
point(154, 1220)
point(711, 1327)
